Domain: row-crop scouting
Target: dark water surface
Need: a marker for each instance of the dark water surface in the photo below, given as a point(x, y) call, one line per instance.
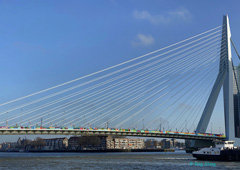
point(147, 160)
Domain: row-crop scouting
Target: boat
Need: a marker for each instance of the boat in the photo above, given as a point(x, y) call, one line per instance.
point(223, 151)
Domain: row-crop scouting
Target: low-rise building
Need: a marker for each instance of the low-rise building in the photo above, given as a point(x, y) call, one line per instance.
point(110, 143)
point(149, 144)
point(73, 143)
point(56, 144)
point(167, 143)
point(6, 146)
point(124, 143)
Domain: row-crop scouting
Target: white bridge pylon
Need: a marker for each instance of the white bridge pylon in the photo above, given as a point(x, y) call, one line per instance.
point(225, 80)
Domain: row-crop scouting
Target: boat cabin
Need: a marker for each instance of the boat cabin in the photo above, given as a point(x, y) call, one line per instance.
point(224, 144)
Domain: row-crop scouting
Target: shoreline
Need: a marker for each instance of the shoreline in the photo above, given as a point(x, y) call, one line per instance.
point(97, 151)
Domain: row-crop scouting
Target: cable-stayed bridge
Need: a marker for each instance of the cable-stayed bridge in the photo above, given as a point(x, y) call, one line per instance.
point(170, 92)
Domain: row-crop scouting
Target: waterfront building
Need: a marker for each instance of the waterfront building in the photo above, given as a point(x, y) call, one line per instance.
point(110, 143)
point(174, 143)
point(124, 143)
point(56, 144)
point(167, 143)
point(73, 143)
point(6, 146)
point(87, 142)
point(149, 144)
point(153, 144)
point(92, 142)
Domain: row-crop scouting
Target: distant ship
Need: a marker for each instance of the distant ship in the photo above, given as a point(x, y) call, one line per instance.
point(224, 151)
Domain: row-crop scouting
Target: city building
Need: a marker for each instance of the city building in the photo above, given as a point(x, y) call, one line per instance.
point(6, 146)
point(174, 143)
point(56, 144)
point(87, 142)
point(73, 143)
point(150, 144)
point(167, 143)
point(124, 143)
point(110, 144)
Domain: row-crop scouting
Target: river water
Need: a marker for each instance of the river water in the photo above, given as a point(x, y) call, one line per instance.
point(178, 160)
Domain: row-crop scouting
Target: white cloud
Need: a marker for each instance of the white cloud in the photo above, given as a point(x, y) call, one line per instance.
point(143, 40)
point(181, 14)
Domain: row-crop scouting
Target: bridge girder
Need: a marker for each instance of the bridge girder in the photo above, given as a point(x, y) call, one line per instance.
point(83, 132)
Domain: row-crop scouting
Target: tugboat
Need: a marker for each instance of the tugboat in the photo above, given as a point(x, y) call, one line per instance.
point(224, 151)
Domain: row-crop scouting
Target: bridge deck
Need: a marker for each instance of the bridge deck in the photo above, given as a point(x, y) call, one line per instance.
point(158, 134)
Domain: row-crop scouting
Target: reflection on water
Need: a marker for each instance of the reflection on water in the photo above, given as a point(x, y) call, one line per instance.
point(178, 160)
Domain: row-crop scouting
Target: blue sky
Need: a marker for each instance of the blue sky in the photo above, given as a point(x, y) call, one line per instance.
point(45, 43)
